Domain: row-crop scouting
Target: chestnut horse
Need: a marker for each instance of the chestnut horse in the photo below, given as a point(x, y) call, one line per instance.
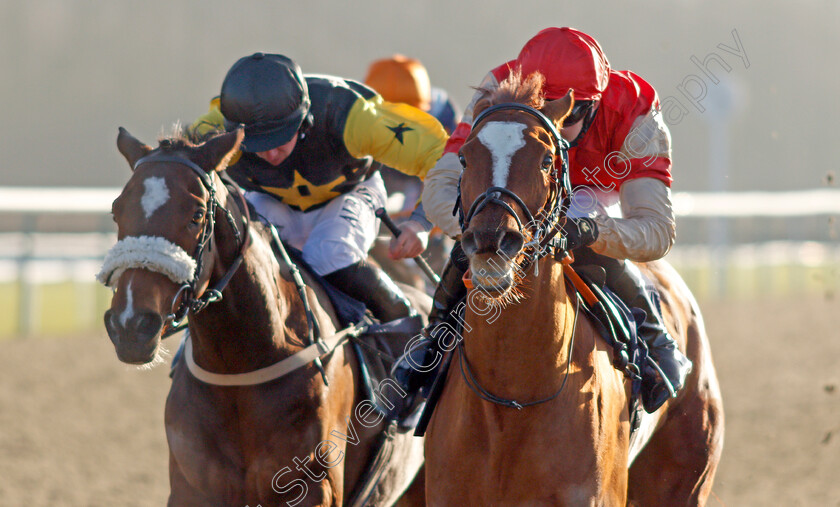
point(187, 246)
point(533, 411)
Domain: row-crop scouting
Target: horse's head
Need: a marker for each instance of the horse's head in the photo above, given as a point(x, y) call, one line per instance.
point(165, 216)
point(512, 186)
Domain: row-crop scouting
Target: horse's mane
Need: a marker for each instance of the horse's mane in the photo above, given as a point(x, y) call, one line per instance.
point(515, 88)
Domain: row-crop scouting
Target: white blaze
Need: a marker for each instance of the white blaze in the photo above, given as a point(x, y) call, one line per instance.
point(129, 306)
point(155, 196)
point(503, 139)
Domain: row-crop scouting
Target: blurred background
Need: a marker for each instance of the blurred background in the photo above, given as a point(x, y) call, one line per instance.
point(749, 93)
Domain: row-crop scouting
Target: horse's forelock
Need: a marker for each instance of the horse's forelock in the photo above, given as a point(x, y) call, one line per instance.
point(178, 139)
point(515, 88)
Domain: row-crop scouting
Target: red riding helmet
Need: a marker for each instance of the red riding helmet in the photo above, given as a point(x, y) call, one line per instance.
point(568, 58)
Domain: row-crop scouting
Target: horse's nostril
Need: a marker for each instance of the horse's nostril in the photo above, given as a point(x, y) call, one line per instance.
point(510, 243)
point(506, 243)
point(468, 244)
point(147, 324)
point(110, 321)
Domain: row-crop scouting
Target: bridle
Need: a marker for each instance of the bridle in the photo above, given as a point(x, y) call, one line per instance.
point(544, 238)
point(543, 233)
point(186, 298)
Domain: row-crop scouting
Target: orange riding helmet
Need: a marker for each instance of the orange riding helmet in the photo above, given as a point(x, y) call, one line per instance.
point(401, 79)
point(568, 58)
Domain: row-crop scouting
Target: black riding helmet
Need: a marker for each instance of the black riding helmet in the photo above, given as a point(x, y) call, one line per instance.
point(268, 95)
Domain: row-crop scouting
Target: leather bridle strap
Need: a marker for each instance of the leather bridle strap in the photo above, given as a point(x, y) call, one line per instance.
point(546, 231)
point(212, 294)
point(559, 142)
point(156, 157)
point(492, 196)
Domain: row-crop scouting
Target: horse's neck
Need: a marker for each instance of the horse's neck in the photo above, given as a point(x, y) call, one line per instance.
point(246, 330)
point(524, 344)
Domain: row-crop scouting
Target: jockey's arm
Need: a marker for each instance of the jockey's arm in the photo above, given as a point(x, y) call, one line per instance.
point(404, 138)
point(397, 135)
point(647, 229)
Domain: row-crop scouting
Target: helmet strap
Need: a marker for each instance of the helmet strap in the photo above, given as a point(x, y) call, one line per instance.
point(307, 124)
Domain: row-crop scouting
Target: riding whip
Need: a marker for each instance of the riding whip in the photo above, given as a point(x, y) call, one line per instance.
point(424, 266)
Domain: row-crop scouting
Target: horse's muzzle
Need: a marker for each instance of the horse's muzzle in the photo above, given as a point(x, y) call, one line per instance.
point(506, 243)
point(137, 338)
point(491, 253)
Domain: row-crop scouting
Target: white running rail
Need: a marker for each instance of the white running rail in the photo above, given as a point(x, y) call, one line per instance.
point(92, 200)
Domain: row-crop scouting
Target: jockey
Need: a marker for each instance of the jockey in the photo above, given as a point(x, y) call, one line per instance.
point(620, 157)
point(401, 79)
point(306, 164)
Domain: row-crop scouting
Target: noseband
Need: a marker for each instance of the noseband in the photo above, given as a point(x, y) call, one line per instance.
point(187, 292)
point(545, 231)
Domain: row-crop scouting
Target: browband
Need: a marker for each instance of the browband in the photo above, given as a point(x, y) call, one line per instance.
point(205, 178)
point(561, 143)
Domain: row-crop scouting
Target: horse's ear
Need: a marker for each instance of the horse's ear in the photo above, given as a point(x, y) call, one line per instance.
point(131, 148)
point(559, 109)
point(480, 105)
point(483, 101)
point(215, 153)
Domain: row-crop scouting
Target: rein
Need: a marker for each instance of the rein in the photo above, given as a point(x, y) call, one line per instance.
point(189, 301)
point(552, 214)
point(484, 394)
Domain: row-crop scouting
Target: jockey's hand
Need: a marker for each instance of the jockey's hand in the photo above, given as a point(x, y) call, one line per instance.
point(579, 232)
point(411, 242)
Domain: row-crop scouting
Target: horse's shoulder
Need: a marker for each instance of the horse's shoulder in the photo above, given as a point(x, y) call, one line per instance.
point(317, 295)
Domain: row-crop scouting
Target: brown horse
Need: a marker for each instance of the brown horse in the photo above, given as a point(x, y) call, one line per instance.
point(533, 411)
point(236, 437)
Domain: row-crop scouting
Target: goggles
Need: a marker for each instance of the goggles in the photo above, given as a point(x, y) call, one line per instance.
point(579, 111)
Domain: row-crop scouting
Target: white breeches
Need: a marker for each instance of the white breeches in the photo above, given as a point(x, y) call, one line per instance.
point(333, 236)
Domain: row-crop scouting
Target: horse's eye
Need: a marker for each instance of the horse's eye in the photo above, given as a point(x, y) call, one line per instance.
point(198, 216)
point(462, 160)
point(548, 162)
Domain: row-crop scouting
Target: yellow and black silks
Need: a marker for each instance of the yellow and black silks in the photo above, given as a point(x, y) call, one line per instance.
point(351, 127)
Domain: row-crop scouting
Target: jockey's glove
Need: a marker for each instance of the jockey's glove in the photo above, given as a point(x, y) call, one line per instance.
point(579, 232)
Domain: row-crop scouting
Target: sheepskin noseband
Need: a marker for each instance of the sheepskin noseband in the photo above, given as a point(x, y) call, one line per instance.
point(147, 252)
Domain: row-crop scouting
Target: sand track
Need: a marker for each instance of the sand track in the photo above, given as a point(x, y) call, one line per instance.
point(78, 428)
